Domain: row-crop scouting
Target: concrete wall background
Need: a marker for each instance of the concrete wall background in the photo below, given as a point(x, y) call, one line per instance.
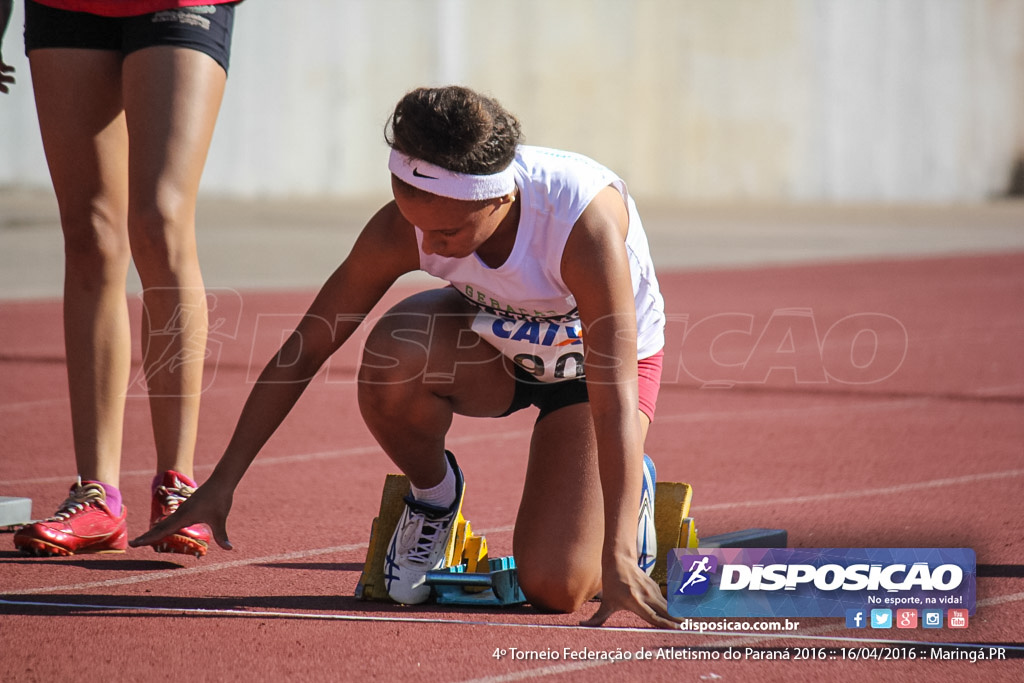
point(695, 100)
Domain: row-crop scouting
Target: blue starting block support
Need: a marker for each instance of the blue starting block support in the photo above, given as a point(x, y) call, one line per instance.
point(498, 587)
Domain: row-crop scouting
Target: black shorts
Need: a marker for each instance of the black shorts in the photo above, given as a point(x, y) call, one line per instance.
point(548, 396)
point(205, 28)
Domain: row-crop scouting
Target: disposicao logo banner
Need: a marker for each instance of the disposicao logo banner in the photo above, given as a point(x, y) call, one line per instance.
point(817, 582)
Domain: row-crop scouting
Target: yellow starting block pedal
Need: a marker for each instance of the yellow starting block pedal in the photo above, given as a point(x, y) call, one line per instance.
point(672, 523)
point(371, 584)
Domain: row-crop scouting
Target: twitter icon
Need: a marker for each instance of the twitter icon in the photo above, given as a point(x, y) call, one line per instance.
point(881, 618)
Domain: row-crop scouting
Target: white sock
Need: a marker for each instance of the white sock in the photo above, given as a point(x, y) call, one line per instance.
point(442, 495)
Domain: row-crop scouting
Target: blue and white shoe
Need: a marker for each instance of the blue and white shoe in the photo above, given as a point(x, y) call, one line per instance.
point(421, 543)
point(646, 535)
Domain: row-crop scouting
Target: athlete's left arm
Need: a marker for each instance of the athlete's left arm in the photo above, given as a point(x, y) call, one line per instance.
point(595, 267)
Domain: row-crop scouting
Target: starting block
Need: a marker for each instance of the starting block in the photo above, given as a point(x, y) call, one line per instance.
point(470, 577)
point(676, 529)
point(14, 512)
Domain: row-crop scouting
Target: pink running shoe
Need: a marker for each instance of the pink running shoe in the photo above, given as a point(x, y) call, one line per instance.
point(82, 524)
point(171, 489)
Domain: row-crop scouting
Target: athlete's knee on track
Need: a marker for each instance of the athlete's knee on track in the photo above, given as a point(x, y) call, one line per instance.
point(554, 587)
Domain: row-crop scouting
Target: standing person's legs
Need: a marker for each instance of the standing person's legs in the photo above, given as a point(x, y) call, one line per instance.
point(172, 97)
point(119, 199)
point(78, 100)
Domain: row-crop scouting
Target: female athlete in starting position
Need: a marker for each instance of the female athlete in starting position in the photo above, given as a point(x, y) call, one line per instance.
point(550, 275)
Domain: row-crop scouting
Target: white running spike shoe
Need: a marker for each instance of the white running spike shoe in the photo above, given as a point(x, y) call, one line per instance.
point(421, 543)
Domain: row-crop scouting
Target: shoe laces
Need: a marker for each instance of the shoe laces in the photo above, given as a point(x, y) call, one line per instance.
point(173, 496)
point(421, 535)
point(80, 497)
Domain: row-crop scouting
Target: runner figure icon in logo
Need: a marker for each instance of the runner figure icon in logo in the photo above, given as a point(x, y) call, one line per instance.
point(697, 572)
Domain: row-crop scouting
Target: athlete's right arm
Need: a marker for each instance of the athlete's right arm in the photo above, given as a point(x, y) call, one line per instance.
point(385, 250)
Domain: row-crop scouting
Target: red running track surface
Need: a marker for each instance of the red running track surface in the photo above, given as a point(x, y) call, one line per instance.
point(854, 404)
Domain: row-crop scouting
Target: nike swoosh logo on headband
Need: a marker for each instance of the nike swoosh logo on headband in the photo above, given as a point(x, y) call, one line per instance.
point(416, 172)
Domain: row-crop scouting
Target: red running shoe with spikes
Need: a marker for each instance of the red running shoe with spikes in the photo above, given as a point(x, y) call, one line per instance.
point(82, 524)
point(170, 491)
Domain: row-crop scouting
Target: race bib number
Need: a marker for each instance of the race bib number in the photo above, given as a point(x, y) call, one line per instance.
point(550, 351)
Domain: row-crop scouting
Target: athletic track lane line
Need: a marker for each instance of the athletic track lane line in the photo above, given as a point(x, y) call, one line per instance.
point(705, 416)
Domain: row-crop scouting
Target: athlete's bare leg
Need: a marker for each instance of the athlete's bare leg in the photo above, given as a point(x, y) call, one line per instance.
point(423, 364)
point(172, 96)
point(559, 532)
point(79, 105)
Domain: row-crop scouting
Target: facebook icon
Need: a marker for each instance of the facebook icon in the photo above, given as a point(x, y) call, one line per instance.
point(856, 618)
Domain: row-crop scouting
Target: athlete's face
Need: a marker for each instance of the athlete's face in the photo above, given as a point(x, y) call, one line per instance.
point(451, 227)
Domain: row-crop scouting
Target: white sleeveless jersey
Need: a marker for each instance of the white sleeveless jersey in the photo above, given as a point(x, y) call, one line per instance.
point(526, 310)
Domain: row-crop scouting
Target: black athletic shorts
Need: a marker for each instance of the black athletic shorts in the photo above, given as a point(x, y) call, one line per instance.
point(206, 28)
point(548, 396)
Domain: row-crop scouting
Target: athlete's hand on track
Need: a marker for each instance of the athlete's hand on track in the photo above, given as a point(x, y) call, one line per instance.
point(627, 587)
point(6, 76)
point(207, 505)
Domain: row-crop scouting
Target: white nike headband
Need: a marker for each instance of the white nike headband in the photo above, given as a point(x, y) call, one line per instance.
point(440, 181)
